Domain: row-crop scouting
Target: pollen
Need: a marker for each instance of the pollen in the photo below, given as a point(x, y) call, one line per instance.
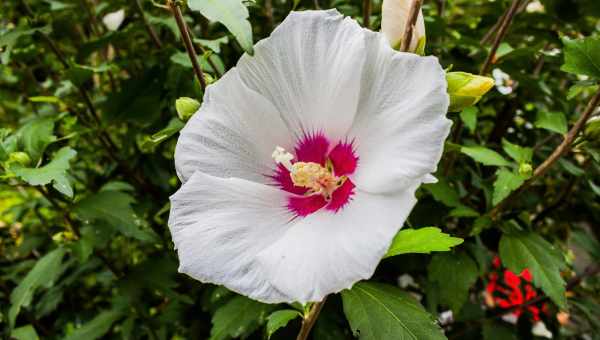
point(318, 179)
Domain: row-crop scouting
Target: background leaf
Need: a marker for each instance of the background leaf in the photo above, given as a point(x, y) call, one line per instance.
point(454, 274)
point(484, 155)
point(231, 13)
point(527, 250)
point(376, 311)
point(582, 55)
point(423, 240)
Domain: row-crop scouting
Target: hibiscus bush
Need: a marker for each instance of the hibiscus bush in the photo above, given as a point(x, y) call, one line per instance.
point(299, 169)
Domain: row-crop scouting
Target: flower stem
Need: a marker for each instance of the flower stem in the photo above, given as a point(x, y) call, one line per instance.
point(502, 29)
point(560, 150)
point(310, 319)
point(366, 13)
point(413, 15)
point(185, 36)
point(149, 29)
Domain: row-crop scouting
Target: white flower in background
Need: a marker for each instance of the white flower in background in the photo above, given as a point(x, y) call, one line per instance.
point(394, 15)
point(539, 329)
point(302, 162)
point(535, 7)
point(113, 20)
point(405, 281)
point(504, 84)
point(511, 318)
point(446, 318)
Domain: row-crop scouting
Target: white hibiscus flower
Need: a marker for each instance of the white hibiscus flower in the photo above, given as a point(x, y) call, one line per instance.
point(354, 128)
point(394, 14)
point(113, 20)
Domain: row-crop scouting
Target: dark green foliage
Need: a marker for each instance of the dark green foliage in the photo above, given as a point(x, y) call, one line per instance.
point(88, 127)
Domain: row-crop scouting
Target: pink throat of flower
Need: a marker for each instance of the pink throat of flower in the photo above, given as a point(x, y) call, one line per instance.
point(326, 183)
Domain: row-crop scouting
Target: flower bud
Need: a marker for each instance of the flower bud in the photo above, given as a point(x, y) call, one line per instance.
point(466, 89)
point(186, 107)
point(19, 157)
point(525, 169)
point(591, 131)
point(394, 15)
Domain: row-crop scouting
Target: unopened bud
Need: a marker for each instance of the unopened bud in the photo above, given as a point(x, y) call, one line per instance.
point(466, 89)
point(525, 169)
point(394, 15)
point(19, 157)
point(186, 107)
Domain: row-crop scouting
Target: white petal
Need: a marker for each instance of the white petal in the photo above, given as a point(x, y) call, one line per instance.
point(219, 225)
point(310, 69)
point(540, 329)
point(113, 20)
point(394, 14)
point(232, 135)
point(325, 253)
point(401, 122)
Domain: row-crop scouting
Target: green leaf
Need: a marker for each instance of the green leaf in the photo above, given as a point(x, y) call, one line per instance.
point(280, 319)
point(506, 182)
point(464, 211)
point(586, 241)
point(97, 327)
point(239, 317)
point(520, 154)
point(484, 155)
point(231, 13)
point(443, 192)
point(454, 275)
point(553, 121)
point(149, 143)
point(35, 136)
point(24, 333)
point(9, 40)
point(469, 117)
point(527, 250)
point(43, 274)
point(496, 331)
point(55, 172)
point(215, 44)
point(582, 56)
point(114, 207)
point(422, 241)
point(377, 311)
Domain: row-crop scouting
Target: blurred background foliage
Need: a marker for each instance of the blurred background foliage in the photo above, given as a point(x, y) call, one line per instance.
point(89, 126)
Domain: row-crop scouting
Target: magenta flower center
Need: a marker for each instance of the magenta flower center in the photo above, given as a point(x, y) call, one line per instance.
point(317, 175)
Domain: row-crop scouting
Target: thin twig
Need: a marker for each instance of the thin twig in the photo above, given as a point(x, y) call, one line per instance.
point(189, 47)
point(310, 319)
point(366, 13)
point(413, 15)
point(560, 150)
point(507, 20)
point(149, 28)
point(269, 14)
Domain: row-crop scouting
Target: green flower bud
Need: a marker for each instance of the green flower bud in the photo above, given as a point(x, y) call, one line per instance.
point(466, 89)
point(186, 107)
point(19, 157)
point(525, 169)
point(591, 131)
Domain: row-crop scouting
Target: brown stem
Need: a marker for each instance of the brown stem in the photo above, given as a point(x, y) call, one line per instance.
point(189, 47)
point(503, 28)
point(366, 13)
point(316, 2)
point(269, 13)
point(149, 28)
point(310, 319)
point(560, 150)
point(413, 15)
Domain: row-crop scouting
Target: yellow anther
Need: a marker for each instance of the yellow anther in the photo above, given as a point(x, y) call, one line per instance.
point(316, 178)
